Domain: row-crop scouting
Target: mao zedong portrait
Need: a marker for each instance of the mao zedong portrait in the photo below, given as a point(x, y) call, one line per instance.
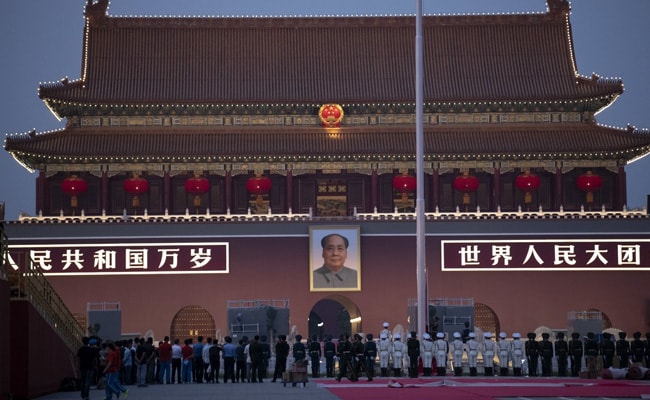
point(334, 273)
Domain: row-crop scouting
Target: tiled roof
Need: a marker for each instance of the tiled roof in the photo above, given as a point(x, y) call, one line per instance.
point(315, 60)
point(239, 144)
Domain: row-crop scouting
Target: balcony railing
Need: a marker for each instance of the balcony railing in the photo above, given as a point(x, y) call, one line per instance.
point(456, 215)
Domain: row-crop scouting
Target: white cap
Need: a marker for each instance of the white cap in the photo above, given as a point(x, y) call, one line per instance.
point(397, 336)
point(516, 335)
point(487, 335)
point(426, 336)
point(385, 324)
point(502, 335)
point(472, 334)
point(440, 335)
point(408, 335)
point(456, 334)
point(383, 336)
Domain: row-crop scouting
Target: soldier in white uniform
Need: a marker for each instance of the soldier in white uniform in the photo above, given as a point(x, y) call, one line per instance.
point(457, 351)
point(488, 354)
point(397, 354)
point(426, 350)
point(517, 351)
point(503, 348)
point(386, 331)
point(440, 350)
point(472, 347)
point(384, 353)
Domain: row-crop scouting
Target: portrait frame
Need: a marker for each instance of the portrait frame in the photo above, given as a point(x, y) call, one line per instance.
point(353, 259)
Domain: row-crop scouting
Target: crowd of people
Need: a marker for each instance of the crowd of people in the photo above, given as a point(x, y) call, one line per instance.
point(115, 365)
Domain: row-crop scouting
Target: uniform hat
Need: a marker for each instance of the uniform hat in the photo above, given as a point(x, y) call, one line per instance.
point(440, 335)
point(503, 335)
point(92, 341)
point(531, 335)
point(383, 336)
point(516, 335)
point(397, 336)
point(426, 336)
point(487, 335)
point(560, 335)
point(385, 324)
point(575, 335)
point(472, 334)
point(637, 335)
point(545, 335)
point(622, 335)
point(456, 334)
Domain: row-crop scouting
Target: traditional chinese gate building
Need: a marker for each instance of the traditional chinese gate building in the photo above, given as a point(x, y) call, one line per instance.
point(242, 133)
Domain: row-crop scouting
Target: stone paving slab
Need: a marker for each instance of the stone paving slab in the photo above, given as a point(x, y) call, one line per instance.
point(204, 391)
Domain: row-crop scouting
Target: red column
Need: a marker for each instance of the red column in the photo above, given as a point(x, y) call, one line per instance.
point(104, 192)
point(228, 190)
point(166, 190)
point(496, 190)
point(41, 184)
point(373, 190)
point(621, 189)
point(289, 194)
point(436, 188)
point(558, 189)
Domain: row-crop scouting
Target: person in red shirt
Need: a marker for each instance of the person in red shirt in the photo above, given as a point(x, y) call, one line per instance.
point(165, 358)
point(112, 373)
point(188, 355)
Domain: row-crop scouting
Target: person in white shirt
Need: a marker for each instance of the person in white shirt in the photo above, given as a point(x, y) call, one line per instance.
point(205, 355)
point(177, 355)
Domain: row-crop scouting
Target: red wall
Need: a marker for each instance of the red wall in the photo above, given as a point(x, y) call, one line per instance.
point(39, 358)
point(278, 268)
point(5, 324)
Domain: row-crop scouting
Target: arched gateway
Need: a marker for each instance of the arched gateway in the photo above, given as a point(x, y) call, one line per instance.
point(334, 315)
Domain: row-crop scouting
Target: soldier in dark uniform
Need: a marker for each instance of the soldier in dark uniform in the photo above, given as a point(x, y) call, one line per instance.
point(546, 351)
point(299, 352)
point(265, 347)
point(576, 350)
point(370, 352)
point(562, 353)
point(607, 349)
point(413, 350)
point(345, 358)
point(329, 350)
point(637, 348)
point(591, 347)
point(532, 353)
point(281, 355)
point(622, 350)
point(359, 357)
point(314, 355)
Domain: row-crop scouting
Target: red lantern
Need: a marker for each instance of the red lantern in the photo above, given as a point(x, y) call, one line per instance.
point(589, 182)
point(74, 186)
point(259, 185)
point(528, 183)
point(197, 186)
point(467, 184)
point(404, 184)
point(135, 186)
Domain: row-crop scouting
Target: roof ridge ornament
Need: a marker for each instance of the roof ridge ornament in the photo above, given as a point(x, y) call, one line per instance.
point(96, 10)
point(558, 6)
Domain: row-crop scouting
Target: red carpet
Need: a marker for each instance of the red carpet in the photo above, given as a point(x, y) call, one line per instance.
point(483, 388)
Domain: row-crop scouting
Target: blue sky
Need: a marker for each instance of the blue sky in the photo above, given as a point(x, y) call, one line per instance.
point(40, 41)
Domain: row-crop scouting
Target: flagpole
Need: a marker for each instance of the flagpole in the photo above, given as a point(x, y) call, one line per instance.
point(422, 306)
